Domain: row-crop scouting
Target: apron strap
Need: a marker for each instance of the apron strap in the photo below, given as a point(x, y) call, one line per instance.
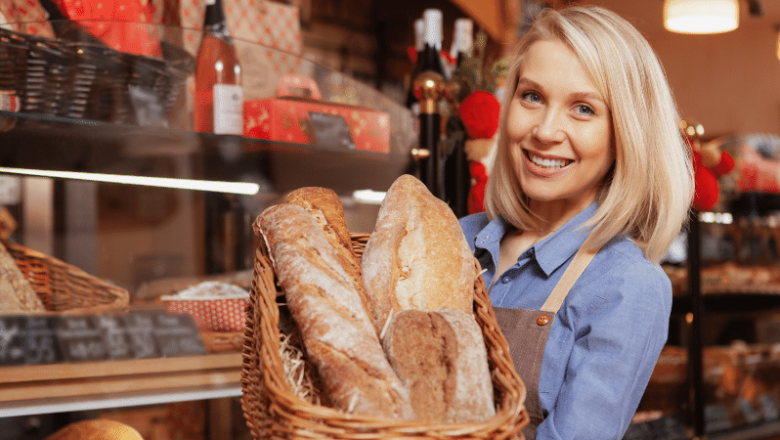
point(581, 260)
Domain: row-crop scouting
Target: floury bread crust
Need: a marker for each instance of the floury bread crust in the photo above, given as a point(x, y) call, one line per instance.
point(441, 357)
point(417, 256)
point(326, 208)
point(16, 294)
point(338, 334)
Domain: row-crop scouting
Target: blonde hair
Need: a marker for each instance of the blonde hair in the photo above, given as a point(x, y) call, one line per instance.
point(648, 192)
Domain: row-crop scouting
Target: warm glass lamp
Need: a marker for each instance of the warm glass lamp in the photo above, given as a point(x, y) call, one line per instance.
point(701, 16)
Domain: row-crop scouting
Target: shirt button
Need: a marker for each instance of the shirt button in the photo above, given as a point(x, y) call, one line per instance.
point(542, 320)
point(505, 280)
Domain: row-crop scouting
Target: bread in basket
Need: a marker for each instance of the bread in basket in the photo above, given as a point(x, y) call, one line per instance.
point(273, 409)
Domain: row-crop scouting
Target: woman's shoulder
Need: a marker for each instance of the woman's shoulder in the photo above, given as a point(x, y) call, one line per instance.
point(472, 224)
point(632, 276)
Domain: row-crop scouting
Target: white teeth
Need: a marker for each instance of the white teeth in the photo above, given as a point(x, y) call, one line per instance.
point(547, 163)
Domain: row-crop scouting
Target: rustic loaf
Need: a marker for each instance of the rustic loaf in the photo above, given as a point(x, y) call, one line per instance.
point(441, 357)
point(338, 334)
point(417, 256)
point(96, 429)
point(16, 294)
point(326, 208)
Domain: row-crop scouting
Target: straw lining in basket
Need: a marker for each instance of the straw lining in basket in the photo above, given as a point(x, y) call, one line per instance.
point(273, 410)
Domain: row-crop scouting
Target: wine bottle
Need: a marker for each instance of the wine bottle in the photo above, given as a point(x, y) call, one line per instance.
point(419, 44)
point(457, 177)
point(218, 96)
point(462, 40)
point(431, 55)
point(431, 168)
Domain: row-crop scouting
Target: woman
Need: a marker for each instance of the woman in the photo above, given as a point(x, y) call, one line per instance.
point(590, 162)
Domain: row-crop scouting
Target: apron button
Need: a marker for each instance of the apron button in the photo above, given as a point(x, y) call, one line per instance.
point(543, 320)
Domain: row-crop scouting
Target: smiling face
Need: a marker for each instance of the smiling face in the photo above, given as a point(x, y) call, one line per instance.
point(559, 130)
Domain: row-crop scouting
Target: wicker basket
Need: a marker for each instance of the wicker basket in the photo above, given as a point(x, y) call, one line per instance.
point(272, 410)
point(66, 288)
point(80, 77)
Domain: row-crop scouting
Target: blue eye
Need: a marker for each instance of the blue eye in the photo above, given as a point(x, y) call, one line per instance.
point(531, 97)
point(585, 110)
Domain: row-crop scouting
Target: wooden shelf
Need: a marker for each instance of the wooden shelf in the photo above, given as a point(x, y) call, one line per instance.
point(63, 387)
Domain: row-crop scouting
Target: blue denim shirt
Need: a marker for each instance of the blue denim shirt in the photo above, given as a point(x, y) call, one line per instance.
point(607, 336)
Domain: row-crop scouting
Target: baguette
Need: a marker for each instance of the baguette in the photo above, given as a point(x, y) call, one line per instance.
point(326, 208)
point(338, 334)
point(417, 256)
point(16, 294)
point(441, 357)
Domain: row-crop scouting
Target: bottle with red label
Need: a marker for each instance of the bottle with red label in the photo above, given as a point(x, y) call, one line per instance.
point(218, 96)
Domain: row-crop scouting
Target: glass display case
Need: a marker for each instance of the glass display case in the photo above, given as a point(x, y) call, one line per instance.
point(100, 170)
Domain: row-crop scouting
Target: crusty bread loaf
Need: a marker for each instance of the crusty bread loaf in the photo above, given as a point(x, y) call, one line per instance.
point(338, 334)
point(417, 256)
point(324, 204)
point(441, 357)
point(16, 294)
point(326, 208)
point(96, 429)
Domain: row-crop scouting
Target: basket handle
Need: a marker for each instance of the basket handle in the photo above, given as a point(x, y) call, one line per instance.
point(291, 81)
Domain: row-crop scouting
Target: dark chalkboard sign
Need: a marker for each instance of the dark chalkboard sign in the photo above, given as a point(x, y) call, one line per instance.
point(42, 345)
point(114, 336)
point(33, 340)
point(13, 340)
point(140, 334)
point(80, 340)
point(177, 335)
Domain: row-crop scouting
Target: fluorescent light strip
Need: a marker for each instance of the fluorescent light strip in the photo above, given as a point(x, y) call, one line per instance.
point(369, 197)
point(161, 182)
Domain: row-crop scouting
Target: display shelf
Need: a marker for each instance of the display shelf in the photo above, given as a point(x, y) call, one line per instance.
point(61, 144)
point(98, 226)
point(35, 389)
point(730, 303)
point(763, 431)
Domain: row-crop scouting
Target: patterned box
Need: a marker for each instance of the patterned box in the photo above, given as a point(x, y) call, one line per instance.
point(27, 17)
point(216, 315)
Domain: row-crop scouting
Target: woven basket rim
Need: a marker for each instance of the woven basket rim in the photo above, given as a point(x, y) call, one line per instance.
point(261, 348)
point(68, 278)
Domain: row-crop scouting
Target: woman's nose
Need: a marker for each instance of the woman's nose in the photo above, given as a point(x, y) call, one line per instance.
point(549, 128)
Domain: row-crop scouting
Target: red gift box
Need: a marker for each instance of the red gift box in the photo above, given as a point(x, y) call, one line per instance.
point(288, 117)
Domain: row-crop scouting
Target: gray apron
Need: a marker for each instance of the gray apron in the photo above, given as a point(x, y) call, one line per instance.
point(526, 332)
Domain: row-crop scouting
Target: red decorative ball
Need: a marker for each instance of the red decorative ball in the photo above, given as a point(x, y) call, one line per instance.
point(706, 195)
point(480, 113)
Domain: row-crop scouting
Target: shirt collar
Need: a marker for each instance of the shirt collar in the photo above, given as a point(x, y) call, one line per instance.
point(551, 252)
point(562, 244)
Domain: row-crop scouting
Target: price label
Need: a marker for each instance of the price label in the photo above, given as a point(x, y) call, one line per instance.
point(749, 411)
point(716, 418)
point(32, 340)
point(140, 334)
point(13, 340)
point(42, 345)
point(177, 335)
point(80, 340)
point(769, 407)
point(114, 336)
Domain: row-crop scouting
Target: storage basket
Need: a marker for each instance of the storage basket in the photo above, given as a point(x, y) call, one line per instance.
point(272, 410)
point(79, 77)
point(66, 288)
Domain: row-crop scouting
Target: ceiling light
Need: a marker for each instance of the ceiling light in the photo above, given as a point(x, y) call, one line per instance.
point(701, 16)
